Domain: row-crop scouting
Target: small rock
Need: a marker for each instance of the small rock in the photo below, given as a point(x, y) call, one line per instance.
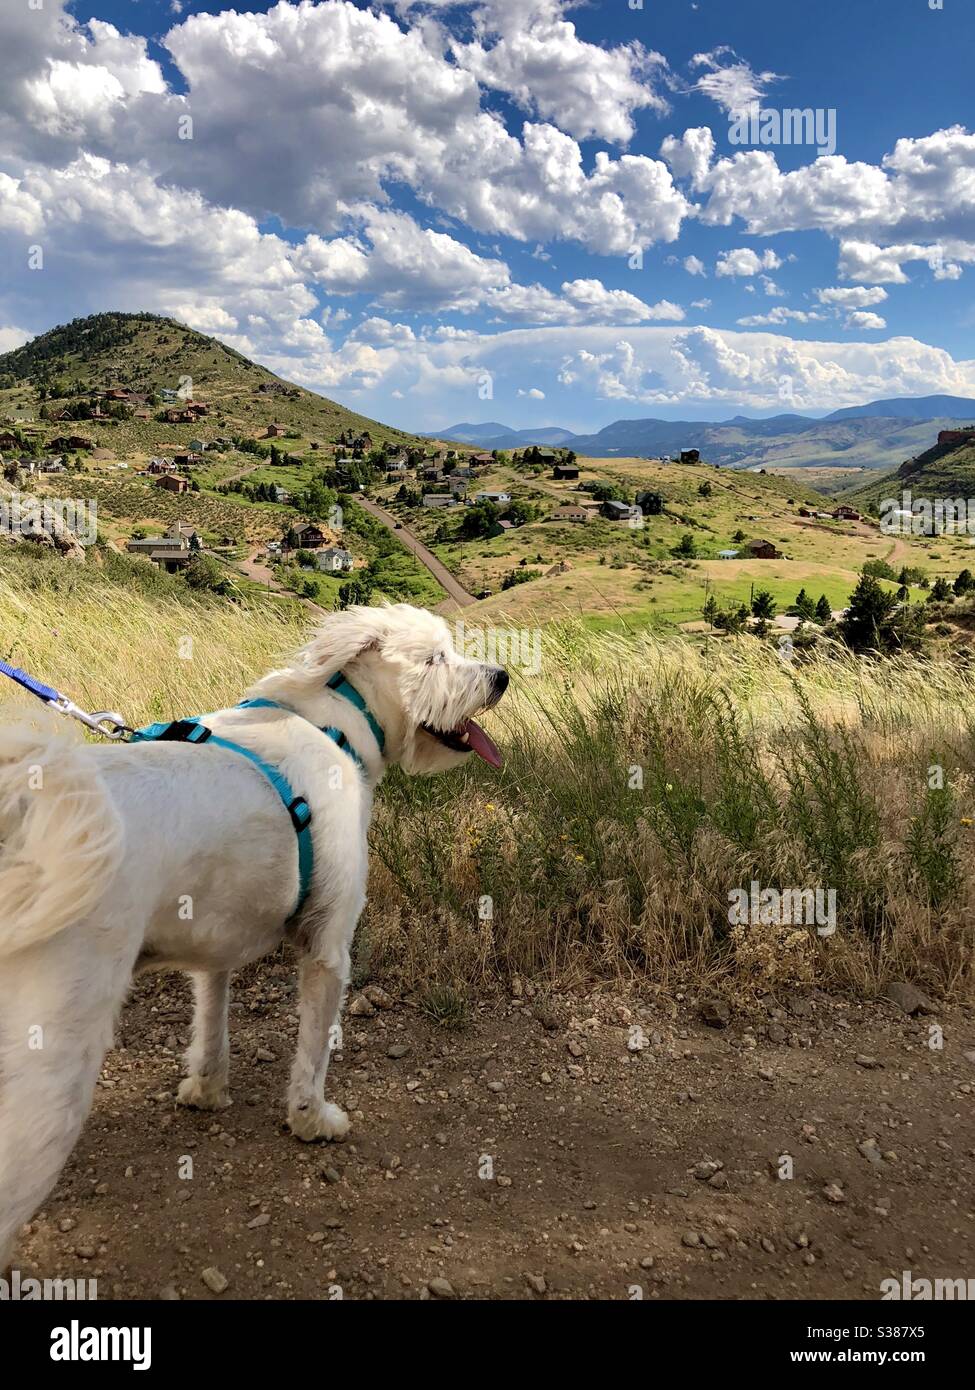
point(868, 1063)
point(834, 1193)
point(378, 997)
point(215, 1281)
point(576, 1048)
point(261, 1220)
point(908, 998)
point(361, 1008)
point(264, 1054)
point(536, 1282)
point(441, 1288)
point(397, 1050)
point(691, 1239)
point(716, 1013)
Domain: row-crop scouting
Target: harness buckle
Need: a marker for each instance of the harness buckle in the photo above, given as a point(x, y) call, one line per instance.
point(300, 813)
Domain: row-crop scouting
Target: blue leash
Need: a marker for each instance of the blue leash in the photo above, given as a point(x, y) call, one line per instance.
point(193, 730)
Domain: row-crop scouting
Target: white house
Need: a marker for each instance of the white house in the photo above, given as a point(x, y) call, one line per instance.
point(334, 559)
point(492, 497)
point(439, 499)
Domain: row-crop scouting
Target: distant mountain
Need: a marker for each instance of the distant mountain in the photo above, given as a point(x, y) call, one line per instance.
point(911, 408)
point(879, 435)
point(491, 435)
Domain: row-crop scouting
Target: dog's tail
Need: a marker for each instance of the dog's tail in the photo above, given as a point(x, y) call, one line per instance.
point(59, 833)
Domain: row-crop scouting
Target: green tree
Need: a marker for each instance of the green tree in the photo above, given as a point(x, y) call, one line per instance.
point(964, 583)
point(804, 606)
point(763, 605)
point(824, 612)
point(685, 547)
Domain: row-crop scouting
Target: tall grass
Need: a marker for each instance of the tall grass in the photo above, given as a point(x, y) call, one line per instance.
point(643, 781)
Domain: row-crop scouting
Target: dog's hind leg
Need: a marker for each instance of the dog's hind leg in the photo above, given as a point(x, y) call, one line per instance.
point(208, 1058)
point(321, 986)
point(58, 1002)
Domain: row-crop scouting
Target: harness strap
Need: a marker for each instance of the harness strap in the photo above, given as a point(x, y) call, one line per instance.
point(192, 731)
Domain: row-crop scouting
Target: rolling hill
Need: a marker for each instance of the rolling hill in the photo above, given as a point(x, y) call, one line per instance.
point(944, 470)
point(150, 354)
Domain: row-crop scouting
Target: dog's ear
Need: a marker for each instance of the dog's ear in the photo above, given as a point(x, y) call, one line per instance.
point(341, 638)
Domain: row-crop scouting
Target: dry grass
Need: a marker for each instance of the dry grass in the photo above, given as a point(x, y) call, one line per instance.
point(644, 780)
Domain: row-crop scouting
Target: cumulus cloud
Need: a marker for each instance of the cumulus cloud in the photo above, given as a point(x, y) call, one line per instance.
point(854, 297)
point(865, 318)
point(694, 266)
point(744, 261)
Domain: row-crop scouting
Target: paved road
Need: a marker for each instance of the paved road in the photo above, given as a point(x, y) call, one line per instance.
point(416, 547)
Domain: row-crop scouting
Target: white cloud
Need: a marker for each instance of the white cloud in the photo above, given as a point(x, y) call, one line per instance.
point(533, 392)
point(865, 318)
point(690, 155)
point(780, 315)
point(533, 54)
point(853, 297)
point(862, 260)
point(694, 266)
point(745, 261)
point(730, 80)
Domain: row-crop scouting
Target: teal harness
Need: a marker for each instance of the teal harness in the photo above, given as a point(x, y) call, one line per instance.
point(193, 730)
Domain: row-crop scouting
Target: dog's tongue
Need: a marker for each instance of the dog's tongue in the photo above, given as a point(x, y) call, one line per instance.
point(481, 744)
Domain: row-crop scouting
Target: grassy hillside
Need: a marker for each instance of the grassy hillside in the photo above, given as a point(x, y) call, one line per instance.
point(940, 471)
point(144, 352)
point(816, 774)
point(619, 578)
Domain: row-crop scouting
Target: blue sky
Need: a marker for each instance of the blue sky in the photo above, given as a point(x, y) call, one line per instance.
point(516, 210)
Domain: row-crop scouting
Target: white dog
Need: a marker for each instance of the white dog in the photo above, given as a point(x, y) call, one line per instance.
point(163, 855)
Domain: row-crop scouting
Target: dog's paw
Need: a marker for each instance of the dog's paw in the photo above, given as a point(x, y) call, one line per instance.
point(202, 1093)
point(318, 1120)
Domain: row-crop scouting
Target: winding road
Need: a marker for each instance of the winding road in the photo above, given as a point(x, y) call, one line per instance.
point(416, 547)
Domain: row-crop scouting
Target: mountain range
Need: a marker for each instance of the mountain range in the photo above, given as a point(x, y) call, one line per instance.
point(878, 435)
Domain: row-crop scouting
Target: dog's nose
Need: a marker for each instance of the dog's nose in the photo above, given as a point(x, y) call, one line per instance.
point(500, 679)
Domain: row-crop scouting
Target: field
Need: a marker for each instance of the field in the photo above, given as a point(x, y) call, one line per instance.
point(566, 1025)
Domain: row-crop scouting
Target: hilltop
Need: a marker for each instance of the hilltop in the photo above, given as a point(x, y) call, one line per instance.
point(151, 355)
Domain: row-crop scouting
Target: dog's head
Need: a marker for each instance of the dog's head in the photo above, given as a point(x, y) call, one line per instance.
point(423, 693)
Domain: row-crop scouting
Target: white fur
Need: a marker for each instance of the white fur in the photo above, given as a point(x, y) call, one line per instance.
point(133, 857)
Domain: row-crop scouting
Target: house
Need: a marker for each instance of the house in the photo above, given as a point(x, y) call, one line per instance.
point(432, 475)
point(169, 393)
point(178, 537)
point(335, 559)
point(565, 471)
point(546, 455)
point(499, 528)
point(143, 414)
point(482, 460)
point(158, 466)
point(439, 499)
point(310, 536)
point(804, 511)
point(727, 554)
point(962, 436)
point(187, 460)
point(53, 466)
point(9, 441)
point(171, 558)
point(761, 550)
point(497, 497)
point(68, 443)
point(690, 456)
point(845, 513)
point(568, 513)
point(198, 446)
point(173, 482)
point(620, 511)
point(280, 494)
point(458, 486)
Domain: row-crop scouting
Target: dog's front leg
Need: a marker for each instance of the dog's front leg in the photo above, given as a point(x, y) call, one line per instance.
point(321, 987)
point(208, 1058)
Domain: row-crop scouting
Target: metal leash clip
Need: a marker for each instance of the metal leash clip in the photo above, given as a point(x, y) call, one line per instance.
point(108, 723)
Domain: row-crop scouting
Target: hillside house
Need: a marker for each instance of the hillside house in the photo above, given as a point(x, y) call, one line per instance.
point(335, 560)
point(9, 441)
point(52, 466)
point(965, 435)
point(280, 494)
point(496, 497)
point(275, 431)
point(187, 460)
point(432, 475)
point(69, 443)
point(172, 482)
point(482, 460)
point(569, 512)
point(458, 486)
point(690, 456)
point(620, 511)
point(727, 554)
point(159, 466)
point(198, 446)
point(565, 472)
point(804, 511)
point(761, 550)
point(844, 513)
point(439, 499)
point(310, 536)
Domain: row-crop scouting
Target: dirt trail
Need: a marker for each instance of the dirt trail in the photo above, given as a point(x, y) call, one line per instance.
point(530, 1156)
